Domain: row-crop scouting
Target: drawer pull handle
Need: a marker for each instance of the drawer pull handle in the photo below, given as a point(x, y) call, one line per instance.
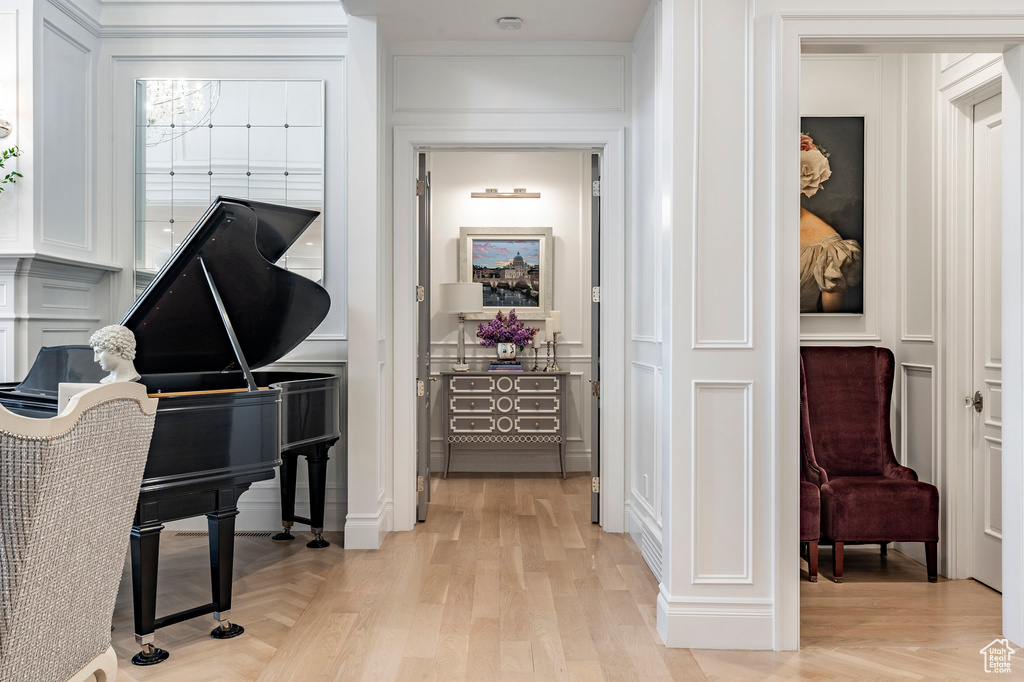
point(536, 405)
point(472, 405)
point(472, 425)
point(472, 384)
point(536, 384)
point(536, 425)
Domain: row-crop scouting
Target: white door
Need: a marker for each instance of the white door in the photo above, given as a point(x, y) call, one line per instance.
point(987, 414)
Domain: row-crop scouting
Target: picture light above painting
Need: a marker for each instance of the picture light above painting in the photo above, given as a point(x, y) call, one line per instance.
point(832, 215)
point(515, 267)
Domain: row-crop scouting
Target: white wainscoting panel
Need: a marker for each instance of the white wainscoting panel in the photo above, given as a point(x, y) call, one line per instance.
point(722, 494)
point(66, 164)
point(645, 441)
point(723, 242)
point(918, 237)
point(646, 242)
point(917, 424)
point(509, 83)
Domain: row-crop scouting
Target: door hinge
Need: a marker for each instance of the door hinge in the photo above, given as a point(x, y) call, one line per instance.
point(596, 188)
point(595, 294)
point(595, 484)
point(420, 293)
point(595, 387)
point(421, 388)
point(419, 484)
point(421, 187)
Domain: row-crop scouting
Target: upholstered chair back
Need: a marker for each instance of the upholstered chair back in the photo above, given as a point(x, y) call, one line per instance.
point(68, 490)
point(848, 394)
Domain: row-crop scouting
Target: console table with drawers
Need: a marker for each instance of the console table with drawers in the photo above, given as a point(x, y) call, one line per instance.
point(487, 409)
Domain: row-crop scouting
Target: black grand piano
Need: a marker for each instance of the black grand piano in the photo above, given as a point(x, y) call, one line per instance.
point(216, 311)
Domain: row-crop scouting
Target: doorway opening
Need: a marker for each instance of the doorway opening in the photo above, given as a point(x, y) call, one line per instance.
point(514, 231)
point(609, 144)
point(926, 142)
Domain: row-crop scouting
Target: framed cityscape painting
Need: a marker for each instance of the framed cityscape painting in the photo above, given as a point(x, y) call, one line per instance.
point(832, 214)
point(514, 265)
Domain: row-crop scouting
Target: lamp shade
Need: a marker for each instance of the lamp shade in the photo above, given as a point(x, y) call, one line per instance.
point(462, 297)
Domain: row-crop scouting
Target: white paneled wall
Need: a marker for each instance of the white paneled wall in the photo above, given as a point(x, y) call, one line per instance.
point(563, 180)
point(645, 425)
point(896, 95)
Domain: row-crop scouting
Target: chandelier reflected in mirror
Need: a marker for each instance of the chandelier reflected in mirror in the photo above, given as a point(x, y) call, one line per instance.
point(177, 106)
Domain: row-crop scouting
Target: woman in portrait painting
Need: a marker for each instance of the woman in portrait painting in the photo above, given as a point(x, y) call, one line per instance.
point(829, 264)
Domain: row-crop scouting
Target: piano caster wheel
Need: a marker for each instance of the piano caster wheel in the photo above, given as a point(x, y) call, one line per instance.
point(227, 630)
point(318, 542)
point(150, 655)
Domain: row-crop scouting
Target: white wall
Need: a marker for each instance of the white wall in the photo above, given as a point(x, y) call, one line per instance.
point(895, 93)
point(563, 180)
point(645, 427)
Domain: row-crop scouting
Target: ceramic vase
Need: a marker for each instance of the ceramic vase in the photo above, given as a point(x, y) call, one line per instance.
point(506, 351)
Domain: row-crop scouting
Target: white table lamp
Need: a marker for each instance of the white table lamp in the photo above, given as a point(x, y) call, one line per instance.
point(460, 298)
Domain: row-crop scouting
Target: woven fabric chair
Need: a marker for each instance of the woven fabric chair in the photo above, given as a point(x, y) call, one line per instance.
point(68, 490)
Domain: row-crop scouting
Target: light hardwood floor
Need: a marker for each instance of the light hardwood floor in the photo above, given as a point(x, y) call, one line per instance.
point(509, 580)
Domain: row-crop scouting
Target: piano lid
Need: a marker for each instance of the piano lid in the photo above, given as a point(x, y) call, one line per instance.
point(177, 324)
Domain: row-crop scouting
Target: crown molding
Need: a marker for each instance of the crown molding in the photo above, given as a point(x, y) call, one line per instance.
point(79, 16)
point(237, 31)
point(97, 29)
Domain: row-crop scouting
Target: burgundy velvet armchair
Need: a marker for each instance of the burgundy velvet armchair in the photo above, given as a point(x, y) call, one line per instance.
point(810, 496)
point(866, 496)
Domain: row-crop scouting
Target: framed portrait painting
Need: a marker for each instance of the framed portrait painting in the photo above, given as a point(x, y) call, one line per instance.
point(514, 265)
point(832, 215)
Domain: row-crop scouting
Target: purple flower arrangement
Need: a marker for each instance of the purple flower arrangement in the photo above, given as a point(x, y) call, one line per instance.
point(504, 329)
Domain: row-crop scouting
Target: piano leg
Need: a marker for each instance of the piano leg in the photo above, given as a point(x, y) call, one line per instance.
point(145, 548)
point(316, 463)
point(286, 472)
point(222, 557)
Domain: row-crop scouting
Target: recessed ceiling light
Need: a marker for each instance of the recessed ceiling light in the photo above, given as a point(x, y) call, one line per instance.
point(167, 229)
point(510, 23)
point(309, 244)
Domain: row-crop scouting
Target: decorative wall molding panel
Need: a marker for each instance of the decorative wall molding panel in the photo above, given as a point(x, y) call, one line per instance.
point(723, 242)
point(65, 151)
point(722, 520)
point(509, 84)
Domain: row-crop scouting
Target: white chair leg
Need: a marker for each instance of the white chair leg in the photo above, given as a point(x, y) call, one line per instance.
point(103, 668)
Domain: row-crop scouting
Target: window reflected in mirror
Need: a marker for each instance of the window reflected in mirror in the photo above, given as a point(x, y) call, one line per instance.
point(199, 139)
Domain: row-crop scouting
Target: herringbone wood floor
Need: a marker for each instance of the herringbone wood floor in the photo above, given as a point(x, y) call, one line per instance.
point(509, 580)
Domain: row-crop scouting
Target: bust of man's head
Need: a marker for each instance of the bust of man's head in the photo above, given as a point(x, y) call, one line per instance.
point(114, 349)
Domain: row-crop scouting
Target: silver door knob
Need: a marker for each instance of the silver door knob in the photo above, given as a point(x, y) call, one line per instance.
point(977, 402)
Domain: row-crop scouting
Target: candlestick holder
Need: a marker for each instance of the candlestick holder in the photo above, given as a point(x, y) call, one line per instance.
point(547, 365)
point(554, 353)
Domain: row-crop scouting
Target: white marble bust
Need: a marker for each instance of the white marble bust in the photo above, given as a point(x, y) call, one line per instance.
point(114, 350)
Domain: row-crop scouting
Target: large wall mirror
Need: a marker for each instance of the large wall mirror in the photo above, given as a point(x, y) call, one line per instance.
point(199, 139)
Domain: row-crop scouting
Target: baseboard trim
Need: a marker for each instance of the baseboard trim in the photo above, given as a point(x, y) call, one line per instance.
point(715, 623)
point(367, 531)
point(647, 536)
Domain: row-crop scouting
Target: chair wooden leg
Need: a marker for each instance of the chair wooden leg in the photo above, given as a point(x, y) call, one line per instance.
point(884, 549)
point(930, 549)
point(812, 561)
point(837, 561)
